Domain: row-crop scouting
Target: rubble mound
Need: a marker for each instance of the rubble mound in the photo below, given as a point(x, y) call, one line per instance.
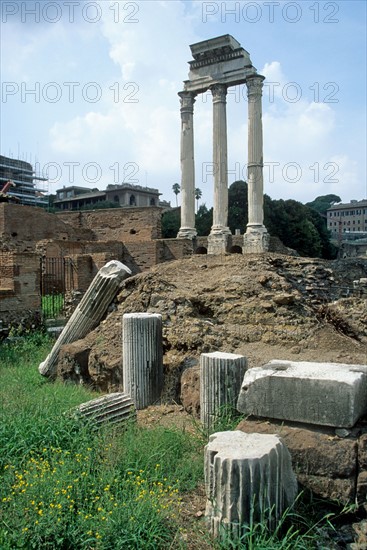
point(262, 306)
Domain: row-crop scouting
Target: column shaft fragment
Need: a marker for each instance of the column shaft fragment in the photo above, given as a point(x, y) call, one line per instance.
point(142, 357)
point(89, 312)
point(248, 480)
point(221, 376)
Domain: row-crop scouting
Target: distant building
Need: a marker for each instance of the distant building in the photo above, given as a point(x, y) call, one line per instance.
point(25, 179)
point(74, 198)
point(348, 220)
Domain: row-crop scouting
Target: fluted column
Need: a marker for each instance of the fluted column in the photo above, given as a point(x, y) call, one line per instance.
point(217, 242)
point(220, 160)
point(248, 480)
point(112, 408)
point(256, 237)
point(89, 312)
point(221, 376)
point(187, 229)
point(142, 357)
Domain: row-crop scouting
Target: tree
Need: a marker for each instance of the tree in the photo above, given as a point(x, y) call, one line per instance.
point(203, 220)
point(322, 203)
point(170, 223)
point(237, 206)
point(198, 195)
point(297, 225)
point(176, 189)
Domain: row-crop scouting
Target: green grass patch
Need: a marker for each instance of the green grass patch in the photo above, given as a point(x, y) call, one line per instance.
point(52, 305)
point(65, 486)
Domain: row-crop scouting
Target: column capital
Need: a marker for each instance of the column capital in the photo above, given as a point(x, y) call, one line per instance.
point(254, 84)
point(187, 100)
point(219, 92)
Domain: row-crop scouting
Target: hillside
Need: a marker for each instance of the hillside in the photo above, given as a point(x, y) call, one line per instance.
point(264, 307)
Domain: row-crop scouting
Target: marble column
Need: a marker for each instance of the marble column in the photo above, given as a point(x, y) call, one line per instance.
point(256, 238)
point(248, 480)
point(187, 229)
point(142, 357)
point(219, 234)
point(89, 312)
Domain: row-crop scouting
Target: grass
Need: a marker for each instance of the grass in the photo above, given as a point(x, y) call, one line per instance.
point(52, 305)
point(64, 486)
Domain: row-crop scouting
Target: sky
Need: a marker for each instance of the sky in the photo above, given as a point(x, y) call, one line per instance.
point(89, 92)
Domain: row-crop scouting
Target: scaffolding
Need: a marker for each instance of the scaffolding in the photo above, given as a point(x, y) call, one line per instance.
point(24, 178)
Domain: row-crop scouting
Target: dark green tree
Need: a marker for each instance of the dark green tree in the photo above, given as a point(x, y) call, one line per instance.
point(237, 206)
point(203, 220)
point(322, 203)
point(170, 223)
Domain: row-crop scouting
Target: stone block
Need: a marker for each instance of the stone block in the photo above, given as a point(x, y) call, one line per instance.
point(362, 451)
point(248, 479)
point(329, 394)
point(322, 462)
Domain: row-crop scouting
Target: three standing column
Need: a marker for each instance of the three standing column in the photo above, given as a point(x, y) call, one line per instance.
point(187, 229)
point(256, 238)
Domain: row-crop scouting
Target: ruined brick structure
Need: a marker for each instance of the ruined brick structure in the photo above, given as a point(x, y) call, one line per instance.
point(33, 240)
point(88, 239)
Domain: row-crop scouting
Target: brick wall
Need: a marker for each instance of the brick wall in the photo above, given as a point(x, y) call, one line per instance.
point(6, 271)
point(117, 224)
point(22, 226)
point(173, 249)
point(23, 299)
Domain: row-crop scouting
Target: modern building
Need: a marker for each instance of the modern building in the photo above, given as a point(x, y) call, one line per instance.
point(25, 180)
point(348, 220)
point(74, 198)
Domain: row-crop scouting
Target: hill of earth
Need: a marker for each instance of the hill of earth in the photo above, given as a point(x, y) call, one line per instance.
point(261, 306)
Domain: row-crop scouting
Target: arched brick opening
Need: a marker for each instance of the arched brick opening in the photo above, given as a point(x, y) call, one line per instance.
point(201, 250)
point(236, 249)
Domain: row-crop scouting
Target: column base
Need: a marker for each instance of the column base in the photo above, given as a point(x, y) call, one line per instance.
point(219, 243)
point(255, 240)
point(187, 233)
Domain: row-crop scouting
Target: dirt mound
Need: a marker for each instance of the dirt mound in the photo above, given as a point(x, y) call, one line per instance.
point(262, 306)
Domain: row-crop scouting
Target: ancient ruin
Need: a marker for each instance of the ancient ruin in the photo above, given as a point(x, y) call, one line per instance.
point(248, 480)
point(113, 408)
point(142, 357)
point(218, 64)
point(329, 394)
point(89, 312)
point(221, 375)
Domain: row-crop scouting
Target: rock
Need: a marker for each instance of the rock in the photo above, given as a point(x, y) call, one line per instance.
point(284, 299)
point(342, 432)
point(322, 462)
point(190, 390)
point(330, 394)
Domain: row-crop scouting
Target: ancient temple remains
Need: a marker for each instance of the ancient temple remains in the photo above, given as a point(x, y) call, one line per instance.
point(221, 376)
point(326, 394)
point(142, 357)
point(89, 312)
point(248, 480)
point(218, 64)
